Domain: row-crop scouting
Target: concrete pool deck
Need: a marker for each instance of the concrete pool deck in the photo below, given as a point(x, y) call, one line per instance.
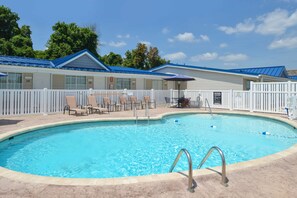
point(272, 176)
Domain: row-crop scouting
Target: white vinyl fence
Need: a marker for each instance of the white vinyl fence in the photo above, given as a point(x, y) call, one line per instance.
point(263, 97)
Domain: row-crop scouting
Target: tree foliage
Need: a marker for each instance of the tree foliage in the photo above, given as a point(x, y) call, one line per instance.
point(112, 59)
point(14, 41)
point(70, 38)
point(142, 58)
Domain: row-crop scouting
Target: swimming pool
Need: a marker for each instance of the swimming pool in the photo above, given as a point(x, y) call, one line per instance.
point(119, 149)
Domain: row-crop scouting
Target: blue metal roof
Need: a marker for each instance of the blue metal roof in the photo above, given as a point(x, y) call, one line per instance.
point(23, 61)
point(293, 77)
point(202, 68)
point(275, 71)
point(60, 61)
point(119, 69)
point(41, 63)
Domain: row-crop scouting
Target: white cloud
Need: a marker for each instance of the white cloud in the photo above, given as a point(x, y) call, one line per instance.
point(204, 57)
point(175, 56)
point(273, 23)
point(204, 37)
point(117, 44)
point(246, 26)
point(284, 43)
point(223, 45)
point(123, 36)
point(170, 40)
point(165, 30)
point(233, 57)
point(276, 22)
point(186, 37)
point(147, 43)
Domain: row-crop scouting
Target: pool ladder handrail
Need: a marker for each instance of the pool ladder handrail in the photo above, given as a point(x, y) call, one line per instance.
point(209, 108)
point(190, 181)
point(135, 114)
point(224, 178)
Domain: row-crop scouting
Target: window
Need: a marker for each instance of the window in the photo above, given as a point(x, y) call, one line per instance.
point(75, 82)
point(123, 83)
point(217, 98)
point(11, 81)
point(157, 84)
point(247, 84)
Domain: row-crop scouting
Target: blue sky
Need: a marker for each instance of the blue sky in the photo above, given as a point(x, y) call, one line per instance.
point(213, 33)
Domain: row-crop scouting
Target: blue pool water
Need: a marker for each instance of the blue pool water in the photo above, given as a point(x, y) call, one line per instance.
point(119, 149)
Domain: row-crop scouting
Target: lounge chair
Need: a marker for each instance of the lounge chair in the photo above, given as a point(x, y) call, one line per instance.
point(93, 106)
point(135, 102)
point(123, 102)
point(72, 106)
point(147, 101)
point(109, 105)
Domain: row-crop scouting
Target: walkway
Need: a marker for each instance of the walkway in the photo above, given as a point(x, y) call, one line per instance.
point(275, 179)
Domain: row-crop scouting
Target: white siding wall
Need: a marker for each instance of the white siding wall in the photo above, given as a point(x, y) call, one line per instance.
point(84, 61)
point(140, 83)
point(41, 80)
point(208, 80)
point(99, 82)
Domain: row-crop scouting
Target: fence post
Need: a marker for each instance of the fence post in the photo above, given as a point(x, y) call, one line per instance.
point(251, 96)
point(45, 100)
point(152, 96)
point(90, 91)
point(231, 99)
point(125, 92)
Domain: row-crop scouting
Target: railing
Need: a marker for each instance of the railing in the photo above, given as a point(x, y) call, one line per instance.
point(190, 180)
point(135, 114)
point(209, 109)
point(224, 178)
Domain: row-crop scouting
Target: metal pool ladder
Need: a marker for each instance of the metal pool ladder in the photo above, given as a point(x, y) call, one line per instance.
point(224, 179)
point(209, 109)
point(190, 181)
point(135, 114)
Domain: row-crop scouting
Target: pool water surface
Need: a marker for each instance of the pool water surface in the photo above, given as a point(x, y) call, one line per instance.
point(124, 148)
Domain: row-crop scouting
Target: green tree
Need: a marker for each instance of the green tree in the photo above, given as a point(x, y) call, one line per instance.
point(70, 38)
point(14, 41)
point(154, 59)
point(128, 60)
point(142, 58)
point(112, 59)
point(40, 54)
point(8, 23)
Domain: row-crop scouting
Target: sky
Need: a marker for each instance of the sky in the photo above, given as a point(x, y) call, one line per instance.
point(213, 33)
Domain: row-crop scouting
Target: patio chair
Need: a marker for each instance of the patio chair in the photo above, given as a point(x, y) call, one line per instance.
point(110, 105)
point(169, 103)
point(135, 103)
point(184, 102)
point(93, 106)
point(72, 106)
point(147, 101)
point(124, 103)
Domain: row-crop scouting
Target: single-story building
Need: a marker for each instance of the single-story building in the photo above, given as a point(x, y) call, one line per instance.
point(214, 78)
point(83, 70)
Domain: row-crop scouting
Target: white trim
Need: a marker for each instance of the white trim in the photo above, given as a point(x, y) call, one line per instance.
point(207, 70)
point(78, 56)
